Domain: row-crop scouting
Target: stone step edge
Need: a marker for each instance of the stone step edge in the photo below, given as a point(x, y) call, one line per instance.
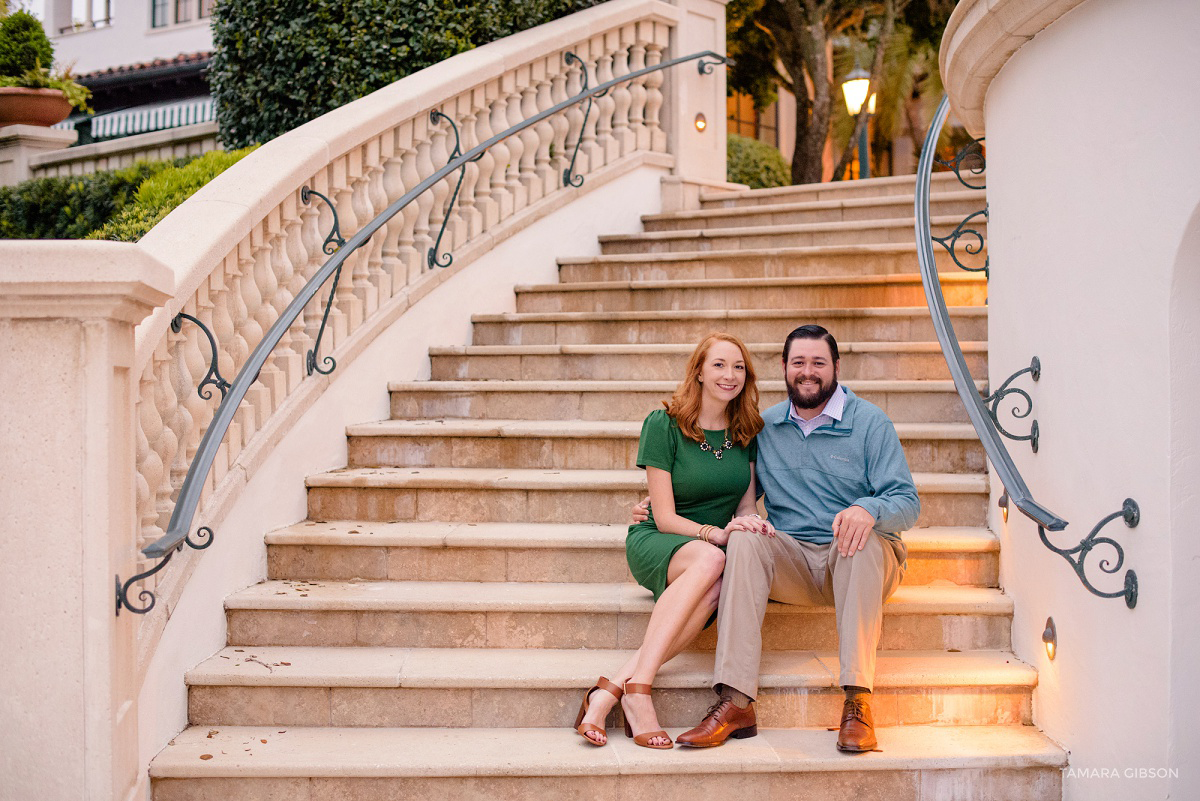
point(558, 536)
point(781, 230)
point(683, 349)
point(752, 283)
point(730, 254)
point(553, 669)
point(709, 195)
point(238, 752)
point(670, 315)
point(602, 480)
point(510, 596)
point(812, 205)
point(585, 429)
point(593, 385)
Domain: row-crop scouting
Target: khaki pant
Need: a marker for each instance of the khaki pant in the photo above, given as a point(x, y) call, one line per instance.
point(785, 569)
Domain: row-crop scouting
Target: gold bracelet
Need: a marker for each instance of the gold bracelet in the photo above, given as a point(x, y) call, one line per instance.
point(704, 532)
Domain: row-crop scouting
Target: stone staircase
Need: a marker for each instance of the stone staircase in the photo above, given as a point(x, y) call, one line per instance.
point(429, 631)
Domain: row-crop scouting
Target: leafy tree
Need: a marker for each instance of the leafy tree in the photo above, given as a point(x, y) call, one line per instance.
point(23, 44)
point(279, 63)
point(808, 46)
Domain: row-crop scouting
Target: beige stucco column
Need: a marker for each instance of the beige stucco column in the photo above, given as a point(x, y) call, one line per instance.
point(20, 143)
point(67, 521)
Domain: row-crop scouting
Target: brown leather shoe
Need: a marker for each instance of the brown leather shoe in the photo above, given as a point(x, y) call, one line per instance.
point(723, 720)
point(858, 726)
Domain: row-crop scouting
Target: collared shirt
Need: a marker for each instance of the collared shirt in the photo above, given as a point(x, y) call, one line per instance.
point(832, 413)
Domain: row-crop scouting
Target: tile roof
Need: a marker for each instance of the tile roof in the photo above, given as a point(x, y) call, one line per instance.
point(147, 67)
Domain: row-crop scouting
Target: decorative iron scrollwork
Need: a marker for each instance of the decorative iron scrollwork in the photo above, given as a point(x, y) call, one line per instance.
point(950, 243)
point(335, 239)
point(332, 243)
point(213, 376)
point(706, 67)
point(205, 539)
point(432, 258)
point(570, 178)
point(971, 155)
point(1076, 556)
point(992, 402)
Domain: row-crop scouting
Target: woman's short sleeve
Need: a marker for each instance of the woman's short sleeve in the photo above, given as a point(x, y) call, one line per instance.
point(656, 446)
point(752, 451)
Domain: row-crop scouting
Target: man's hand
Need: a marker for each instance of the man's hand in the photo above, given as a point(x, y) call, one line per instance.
point(851, 528)
point(641, 512)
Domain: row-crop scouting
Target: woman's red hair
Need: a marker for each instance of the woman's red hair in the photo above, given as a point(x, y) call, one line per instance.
point(744, 421)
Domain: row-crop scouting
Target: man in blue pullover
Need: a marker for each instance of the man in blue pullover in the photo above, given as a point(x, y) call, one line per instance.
point(837, 491)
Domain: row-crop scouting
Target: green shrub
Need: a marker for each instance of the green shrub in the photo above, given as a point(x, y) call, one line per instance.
point(279, 63)
point(70, 207)
point(755, 164)
point(159, 195)
point(23, 44)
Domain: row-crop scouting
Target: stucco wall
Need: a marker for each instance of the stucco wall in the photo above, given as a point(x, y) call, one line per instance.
point(129, 40)
point(1093, 176)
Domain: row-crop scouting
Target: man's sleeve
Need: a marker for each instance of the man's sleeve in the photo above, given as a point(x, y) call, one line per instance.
point(893, 501)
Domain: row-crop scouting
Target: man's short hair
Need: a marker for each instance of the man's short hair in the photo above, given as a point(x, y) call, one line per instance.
point(811, 332)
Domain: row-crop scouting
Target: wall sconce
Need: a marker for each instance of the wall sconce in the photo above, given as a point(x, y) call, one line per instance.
point(1050, 638)
point(701, 122)
point(1003, 504)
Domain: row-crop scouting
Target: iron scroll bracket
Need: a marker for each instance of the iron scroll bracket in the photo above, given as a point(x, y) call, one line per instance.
point(213, 376)
point(204, 539)
point(432, 258)
point(993, 404)
point(333, 243)
point(1131, 514)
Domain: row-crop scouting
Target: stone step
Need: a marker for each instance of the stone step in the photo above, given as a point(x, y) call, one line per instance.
point(896, 324)
point(764, 262)
point(451, 614)
point(903, 401)
point(957, 204)
point(549, 552)
point(959, 289)
point(914, 763)
point(573, 444)
point(875, 188)
point(485, 688)
point(748, 236)
point(865, 360)
point(474, 495)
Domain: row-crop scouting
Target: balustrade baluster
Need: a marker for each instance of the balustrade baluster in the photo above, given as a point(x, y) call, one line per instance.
point(654, 83)
point(439, 154)
point(527, 78)
point(378, 277)
point(347, 308)
point(297, 257)
point(286, 359)
point(312, 237)
point(516, 147)
point(546, 179)
point(185, 359)
point(640, 138)
point(489, 212)
point(410, 257)
point(251, 333)
point(166, 403)
point(622, 98)
point(422, 233)
point(500, 152)
point(150, 464)
point(392, 186)
point(471, 221)
point(562, 128)
point(359, 275)
point(271, 379)
point(590, 147)
point(609, 149)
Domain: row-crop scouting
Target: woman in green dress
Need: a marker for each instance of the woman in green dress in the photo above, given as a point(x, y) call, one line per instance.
point(699, 455)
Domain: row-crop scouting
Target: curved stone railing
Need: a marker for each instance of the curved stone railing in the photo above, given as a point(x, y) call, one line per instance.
point(245, 245)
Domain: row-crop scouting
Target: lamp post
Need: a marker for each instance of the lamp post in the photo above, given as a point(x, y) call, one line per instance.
point(854, 89)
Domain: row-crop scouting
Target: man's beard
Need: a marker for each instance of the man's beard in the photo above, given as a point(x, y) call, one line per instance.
point(824, 393)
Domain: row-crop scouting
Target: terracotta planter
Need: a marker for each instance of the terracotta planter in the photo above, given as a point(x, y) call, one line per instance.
point(21, 106)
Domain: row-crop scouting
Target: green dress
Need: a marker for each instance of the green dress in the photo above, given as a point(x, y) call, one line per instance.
point(707, 491)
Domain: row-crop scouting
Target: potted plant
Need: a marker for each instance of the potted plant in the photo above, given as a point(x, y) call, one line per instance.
point(31, 94)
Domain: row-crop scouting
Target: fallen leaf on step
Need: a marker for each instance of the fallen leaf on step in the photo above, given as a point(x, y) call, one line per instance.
point(206, 756)
point(211, 732)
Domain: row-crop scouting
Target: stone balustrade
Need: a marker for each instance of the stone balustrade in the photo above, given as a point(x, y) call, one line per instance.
point(258, 242)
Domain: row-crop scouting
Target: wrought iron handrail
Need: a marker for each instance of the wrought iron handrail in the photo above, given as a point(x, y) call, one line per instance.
point(188, 500)
point(985, 421)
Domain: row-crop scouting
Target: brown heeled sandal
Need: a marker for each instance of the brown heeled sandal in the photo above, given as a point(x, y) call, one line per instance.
point(583, 728)
point(644, 739)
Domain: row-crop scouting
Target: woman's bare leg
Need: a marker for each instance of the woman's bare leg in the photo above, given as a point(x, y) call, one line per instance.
point(679, 622)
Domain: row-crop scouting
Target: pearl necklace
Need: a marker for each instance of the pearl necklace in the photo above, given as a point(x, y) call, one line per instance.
point(719, 452)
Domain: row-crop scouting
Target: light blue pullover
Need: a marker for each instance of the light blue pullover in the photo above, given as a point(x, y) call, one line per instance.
point(855, 461)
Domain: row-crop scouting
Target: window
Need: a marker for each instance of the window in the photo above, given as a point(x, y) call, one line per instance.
point(183, 10)
point(206, 8)
point(160, 14)
point(745, 121)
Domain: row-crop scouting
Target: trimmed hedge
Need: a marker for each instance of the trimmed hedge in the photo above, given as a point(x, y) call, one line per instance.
point(23, 44)
point(159, 195)
point(755, 164)
point(70, 207)
point(280, 63)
